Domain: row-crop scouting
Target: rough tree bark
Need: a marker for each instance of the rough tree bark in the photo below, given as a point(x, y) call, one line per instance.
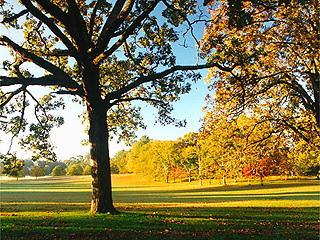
point(97, 109)
point(100, 162)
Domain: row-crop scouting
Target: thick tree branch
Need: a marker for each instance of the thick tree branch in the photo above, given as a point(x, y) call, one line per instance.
point(308, 103)
point(294, 85)
point(49, 22)
point(50, 80)
point(116, 18)
point(137, 98)
point(300, 133)
point(152, 77)
point(93, 16)
point(51, 8)
point(56, 53)
point(77, 26)
point(64, 79)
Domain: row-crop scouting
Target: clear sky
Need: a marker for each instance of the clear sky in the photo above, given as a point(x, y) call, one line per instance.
point(67, 138)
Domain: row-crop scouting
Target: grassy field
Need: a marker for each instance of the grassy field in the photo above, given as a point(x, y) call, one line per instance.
point(57, 208)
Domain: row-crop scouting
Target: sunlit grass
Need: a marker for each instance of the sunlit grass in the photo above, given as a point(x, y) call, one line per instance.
point(58, 208)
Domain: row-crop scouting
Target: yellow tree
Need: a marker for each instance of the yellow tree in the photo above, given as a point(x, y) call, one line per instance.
point(159, 159)
point(271, 50)
point(304, 159)
point(185, 153)
point(120, 161)
point(135, 160)
point(225, 144)
point(266, 149)
point(246, 144)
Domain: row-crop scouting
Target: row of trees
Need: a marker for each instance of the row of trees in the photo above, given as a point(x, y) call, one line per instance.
point(74, 166)
point(224, 149)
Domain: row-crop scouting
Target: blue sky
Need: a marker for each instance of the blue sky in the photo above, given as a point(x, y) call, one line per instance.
point(68, 137)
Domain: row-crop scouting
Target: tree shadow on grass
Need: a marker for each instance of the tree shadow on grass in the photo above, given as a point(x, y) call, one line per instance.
point(218, 194)
point(156, 222)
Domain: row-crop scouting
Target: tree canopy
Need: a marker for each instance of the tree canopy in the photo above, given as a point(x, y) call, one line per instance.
point(37, 171)
point(58, 171)
point(272, 51)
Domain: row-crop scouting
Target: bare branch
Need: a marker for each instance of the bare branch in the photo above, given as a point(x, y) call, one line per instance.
point(11, 95)
point(69, 92)
point(24, 105)
point(137, 98)
point(37, 117)
point(128, 52)
point(190, 27)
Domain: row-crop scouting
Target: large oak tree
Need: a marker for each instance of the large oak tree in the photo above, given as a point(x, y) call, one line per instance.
point(105, 53)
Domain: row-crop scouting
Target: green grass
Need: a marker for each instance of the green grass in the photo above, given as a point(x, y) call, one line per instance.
point(57, 208)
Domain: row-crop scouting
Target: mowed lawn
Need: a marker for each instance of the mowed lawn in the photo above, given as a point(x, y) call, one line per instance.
point(58, 208)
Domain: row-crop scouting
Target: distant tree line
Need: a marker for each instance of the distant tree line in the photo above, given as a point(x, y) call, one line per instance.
point(74, 166)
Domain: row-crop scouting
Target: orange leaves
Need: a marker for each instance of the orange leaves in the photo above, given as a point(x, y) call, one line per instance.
point(274, 56)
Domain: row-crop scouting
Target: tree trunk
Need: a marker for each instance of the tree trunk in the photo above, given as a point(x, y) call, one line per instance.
point(189, 175)
point(167, 178)
point(100, 161)
point(224, 180)
point(200, 172)
point(261, 180)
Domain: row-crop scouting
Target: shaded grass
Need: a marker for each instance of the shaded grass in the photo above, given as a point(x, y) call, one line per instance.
point(57, 208)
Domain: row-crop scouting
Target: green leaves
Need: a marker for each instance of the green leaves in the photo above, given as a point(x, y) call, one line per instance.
point(177, 12)
point(12, 166)
point(36, 138)
point(124, 120)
